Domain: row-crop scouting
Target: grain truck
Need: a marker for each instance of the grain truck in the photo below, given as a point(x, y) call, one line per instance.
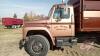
point(66, 24)
point(12, 22)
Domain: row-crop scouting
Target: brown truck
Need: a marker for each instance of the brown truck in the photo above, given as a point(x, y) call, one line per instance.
point(65, 23)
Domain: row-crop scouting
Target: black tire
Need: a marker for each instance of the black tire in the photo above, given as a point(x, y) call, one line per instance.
point(8, 27)
point(30, 45)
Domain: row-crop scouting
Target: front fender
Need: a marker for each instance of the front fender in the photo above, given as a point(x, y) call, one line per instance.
point(26, 29)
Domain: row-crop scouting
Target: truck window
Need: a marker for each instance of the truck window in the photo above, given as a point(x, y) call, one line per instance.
point(50, 12)
point(61, 13)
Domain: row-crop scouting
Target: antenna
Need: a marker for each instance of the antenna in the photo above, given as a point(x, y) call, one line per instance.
point(63, 1)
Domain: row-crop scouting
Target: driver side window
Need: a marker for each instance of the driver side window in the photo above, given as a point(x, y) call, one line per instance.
point(61, 13)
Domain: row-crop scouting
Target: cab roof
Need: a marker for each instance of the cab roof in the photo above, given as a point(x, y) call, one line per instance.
point(62, 5)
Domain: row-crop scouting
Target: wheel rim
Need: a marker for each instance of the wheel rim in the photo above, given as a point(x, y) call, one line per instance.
point(37, 47)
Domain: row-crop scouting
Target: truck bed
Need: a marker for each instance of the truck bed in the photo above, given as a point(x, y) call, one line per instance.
point(11, 21)
point(91, 15)
point(87, 15)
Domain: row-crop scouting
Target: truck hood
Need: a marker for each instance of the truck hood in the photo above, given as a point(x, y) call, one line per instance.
point(36, 22)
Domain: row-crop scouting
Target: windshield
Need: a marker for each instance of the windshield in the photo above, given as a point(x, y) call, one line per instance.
point(61, 13)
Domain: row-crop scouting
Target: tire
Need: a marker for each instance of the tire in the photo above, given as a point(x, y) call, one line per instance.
point(8, 27)
point(31, 46)
point(13, 26)
point(18, 26)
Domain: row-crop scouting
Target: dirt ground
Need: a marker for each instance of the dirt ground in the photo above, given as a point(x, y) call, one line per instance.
point(9, 39)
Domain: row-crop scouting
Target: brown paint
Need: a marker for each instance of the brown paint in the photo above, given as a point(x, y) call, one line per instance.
point(92, 5)
point(68, 27)
point(91, 23)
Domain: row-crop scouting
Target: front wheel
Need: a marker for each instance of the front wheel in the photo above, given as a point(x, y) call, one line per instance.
point(37, 45)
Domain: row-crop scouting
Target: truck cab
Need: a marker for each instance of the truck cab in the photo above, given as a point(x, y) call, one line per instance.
point(62, 20)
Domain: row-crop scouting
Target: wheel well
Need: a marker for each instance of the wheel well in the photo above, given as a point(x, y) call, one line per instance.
point(41, 32)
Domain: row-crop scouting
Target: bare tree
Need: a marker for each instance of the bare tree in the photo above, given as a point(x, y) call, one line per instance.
point(26, 17)
point(15, 16)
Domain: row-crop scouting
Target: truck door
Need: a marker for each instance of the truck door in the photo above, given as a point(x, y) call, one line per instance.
point(63, 22)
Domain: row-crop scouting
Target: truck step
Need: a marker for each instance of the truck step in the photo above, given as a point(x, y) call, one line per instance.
point(66, 41)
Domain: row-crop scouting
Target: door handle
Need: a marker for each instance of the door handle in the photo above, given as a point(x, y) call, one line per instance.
point(69, 26)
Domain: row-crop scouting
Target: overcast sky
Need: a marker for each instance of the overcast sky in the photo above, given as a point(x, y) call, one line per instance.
point(9, 7)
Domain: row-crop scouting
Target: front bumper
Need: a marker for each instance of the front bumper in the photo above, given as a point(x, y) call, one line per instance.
point(21, 43)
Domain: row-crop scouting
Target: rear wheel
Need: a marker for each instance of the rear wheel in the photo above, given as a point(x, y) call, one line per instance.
point(37, 45)
point(9, 27)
